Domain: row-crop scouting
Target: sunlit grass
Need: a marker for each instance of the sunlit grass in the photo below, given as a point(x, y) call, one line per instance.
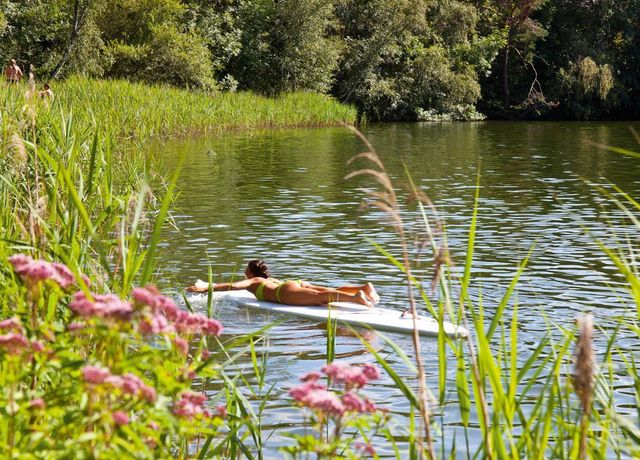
point(138, 110)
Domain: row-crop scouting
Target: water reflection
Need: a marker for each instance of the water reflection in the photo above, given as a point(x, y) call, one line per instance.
point(281, 195)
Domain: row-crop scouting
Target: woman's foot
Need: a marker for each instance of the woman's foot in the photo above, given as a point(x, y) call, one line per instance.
point(361, 298)
point(371, 293)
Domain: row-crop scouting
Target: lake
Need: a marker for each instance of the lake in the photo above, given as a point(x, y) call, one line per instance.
point(281, 195)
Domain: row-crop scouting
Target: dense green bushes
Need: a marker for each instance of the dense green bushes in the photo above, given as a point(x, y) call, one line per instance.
point(394, 60)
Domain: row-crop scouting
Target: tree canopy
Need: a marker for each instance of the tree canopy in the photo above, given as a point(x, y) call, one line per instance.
point(392, 59)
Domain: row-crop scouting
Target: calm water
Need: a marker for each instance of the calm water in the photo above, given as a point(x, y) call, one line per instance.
point(281, 195)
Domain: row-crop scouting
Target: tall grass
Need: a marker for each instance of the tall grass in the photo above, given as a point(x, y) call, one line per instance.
point(133, 110)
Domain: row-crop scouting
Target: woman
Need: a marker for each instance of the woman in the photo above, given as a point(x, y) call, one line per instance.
point(264, 287)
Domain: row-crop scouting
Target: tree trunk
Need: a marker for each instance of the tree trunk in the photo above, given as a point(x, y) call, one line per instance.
point(505, 78)
point(79, 16)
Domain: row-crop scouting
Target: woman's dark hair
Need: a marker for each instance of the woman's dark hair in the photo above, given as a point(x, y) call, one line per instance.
point(259, 268)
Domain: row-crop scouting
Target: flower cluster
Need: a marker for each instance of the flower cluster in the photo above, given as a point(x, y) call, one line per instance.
point(103, 306)
point(163, 310)
point(315, 395)
point(191, 405)
point(33, 271)
point(13, 341)
point(155, 313)
point(351, 376)
point(127, 383)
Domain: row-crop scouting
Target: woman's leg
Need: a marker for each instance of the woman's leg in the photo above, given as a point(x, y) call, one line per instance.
point(368, 289)
point(292, 294)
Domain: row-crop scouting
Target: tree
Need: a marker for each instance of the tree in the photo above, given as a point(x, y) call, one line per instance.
point(217, 22)
point(409, 60)
point(52, 35)
point(287, 45)
point(514, 16)
point(81, 11)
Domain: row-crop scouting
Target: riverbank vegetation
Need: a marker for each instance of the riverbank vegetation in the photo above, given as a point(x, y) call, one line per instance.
point(95, 362)
point(141, 111)
point(393, 60)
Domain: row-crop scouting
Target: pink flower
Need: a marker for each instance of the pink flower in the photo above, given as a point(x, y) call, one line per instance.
point(191, 405)
point(371, 371)
point(148, 393)
point(33, 271)
point(145, 296)
point(221, 411)
point(13, 342)
point(76, 326)
point(95, 375)
point(182, 345)
point(133, 385)
point(104, 306)
point(160, 304)
point(354, 403)
point(315, 396)
point(351, 376)
point(65, 276)
point(128, 383)
point(37, 403)
point(20, 262)
point(114, 380)
point(193, 323)
point(205, 354)
point(37, 346)
point(11, 324)
point(157, 324)
point(120, 418)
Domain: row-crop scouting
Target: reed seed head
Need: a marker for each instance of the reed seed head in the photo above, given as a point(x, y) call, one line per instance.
point(585, 364)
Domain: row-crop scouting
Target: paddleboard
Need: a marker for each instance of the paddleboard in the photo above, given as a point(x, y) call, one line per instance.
point(381, 319)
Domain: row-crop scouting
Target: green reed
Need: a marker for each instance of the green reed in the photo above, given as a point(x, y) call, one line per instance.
point(536, 408)
point(140, 111)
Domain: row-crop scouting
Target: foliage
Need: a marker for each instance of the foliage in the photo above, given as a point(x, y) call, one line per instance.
point(394, 60)
point(143, 41)
point(584, 86)
point(216, 22)
point(285, 46)
point(400, 61)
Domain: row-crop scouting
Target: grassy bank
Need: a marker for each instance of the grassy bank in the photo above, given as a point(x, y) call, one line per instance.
point(140, 110)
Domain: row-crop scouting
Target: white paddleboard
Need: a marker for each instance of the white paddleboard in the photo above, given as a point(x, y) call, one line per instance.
point(381, 319)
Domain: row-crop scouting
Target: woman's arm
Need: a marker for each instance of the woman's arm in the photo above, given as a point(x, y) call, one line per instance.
point(236, 286)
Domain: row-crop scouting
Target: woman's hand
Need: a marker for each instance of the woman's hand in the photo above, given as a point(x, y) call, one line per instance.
point(196, 289)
